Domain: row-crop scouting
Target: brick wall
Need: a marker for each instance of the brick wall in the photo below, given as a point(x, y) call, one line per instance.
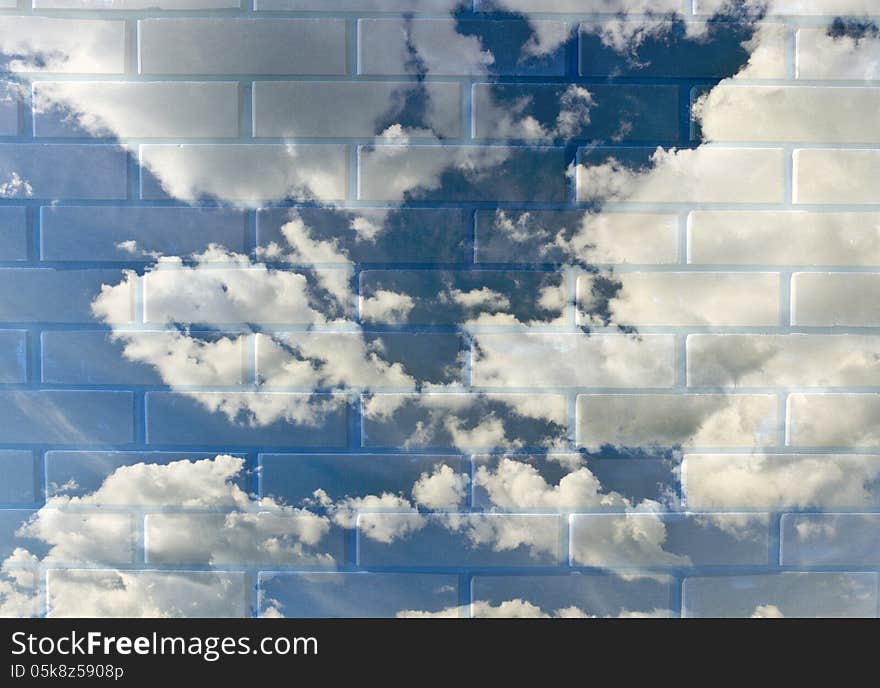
point(747, 271)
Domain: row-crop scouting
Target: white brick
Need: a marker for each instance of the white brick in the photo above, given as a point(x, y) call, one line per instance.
point(780, 481)
point(820, 56)
point(340, 109)
point(252, 172)
point(572, 360)
point(43, 44)
point(242, 46)
point(688, 175)
point(786, 113)
point(836, 176)
point(710, 420)
point(357, 5)
point(834, 420)
point(824, 299)
point(169, 109)
point(793, 360)
point(784, 238)
point(688, 298)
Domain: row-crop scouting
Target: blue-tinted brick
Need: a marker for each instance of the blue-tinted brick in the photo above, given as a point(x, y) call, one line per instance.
point(354, 595)
point(13, 233)
point(405, 235)
point(9, 109)
point(66, 417)
point(94, 357)
point(618, 113)
point(440, 421)
point(13, 356)
point(293, 478)
point(433, 297)
point(719, 51)
point(133, 234)
point(610, 541)
point(80, 473)
point(632, 480)
point(57, 171)
point(462, 173)
point(831, 539)
point(174, 418)
point(63, 296)
point(791, 594)
point(590, 595)
point(440, 540)
point(402, 46)
point(17, 469)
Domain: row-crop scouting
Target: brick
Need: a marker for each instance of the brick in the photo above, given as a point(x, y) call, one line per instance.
point(835, 299)
point(461, 173)
point(77, 536)
point(695, 175)
point(257, 418)
point(220, 295)
point(683, 299)
point(824, 56)
point(780, 481)
point(444, 297)
point(824, 175)
point(246, 172)
point(66, 417)
point(137, 4)
point(375, 235)
point(81, 473)
point(123, 594)
point(639, 540)
point(458, 47)
point(95, 358)
point(793, 360)
point(823, 238)
point(289, 109)
point(293, 478)
point(418, 540)
point(556, 236)
point(48, 44)
point(136, 109)
point(13, 356)
point(45, 294)
point(833, 420)
point(783, 7)
point(356, 595)
point(13, 233)
point(569, 6)
point(619, 112)
point(514, 482)
point(669, 420)
point(573, 595)
point(242, 46)
point(776, 113)
point(10, 103)
point(464, 420)
point(125, 234)
point(830, 540)
point(792, 594)
point(324, 360)
point(19, 479)
point(572, 360)
point(52, 171)
point(240, 539)
point(666, 49)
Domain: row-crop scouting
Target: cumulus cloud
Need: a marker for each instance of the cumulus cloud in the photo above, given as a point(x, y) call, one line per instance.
point(520, 609)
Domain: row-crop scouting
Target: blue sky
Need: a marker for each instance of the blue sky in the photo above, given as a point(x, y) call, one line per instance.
point(519, 308)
